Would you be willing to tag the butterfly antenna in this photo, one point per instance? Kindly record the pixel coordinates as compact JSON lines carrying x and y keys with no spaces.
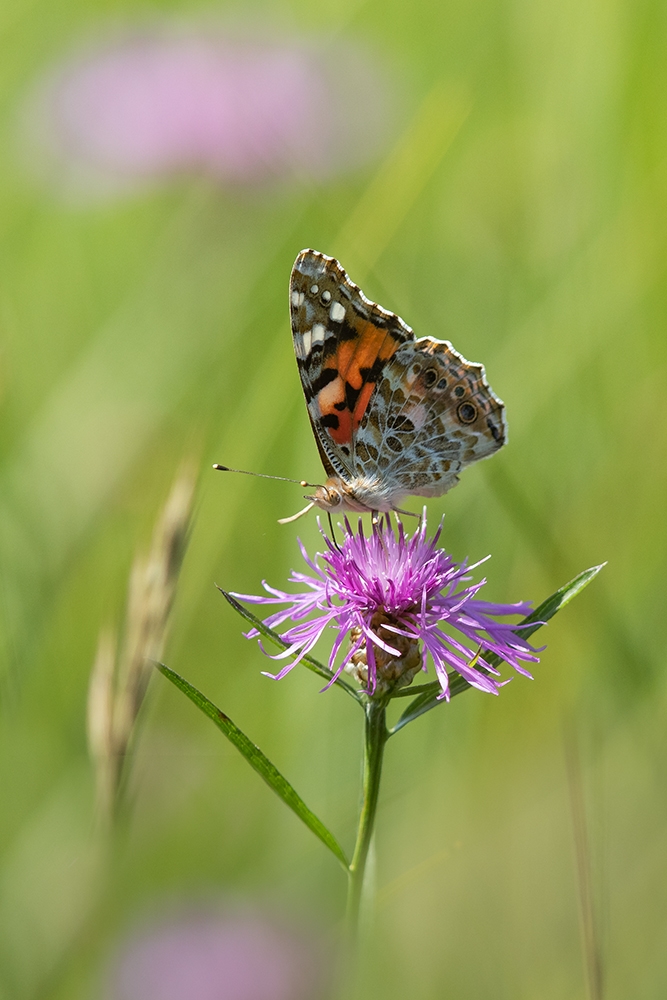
{"x":263,"y":475}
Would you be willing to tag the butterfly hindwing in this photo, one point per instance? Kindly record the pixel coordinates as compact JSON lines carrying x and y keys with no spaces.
{"x":433,"y":414}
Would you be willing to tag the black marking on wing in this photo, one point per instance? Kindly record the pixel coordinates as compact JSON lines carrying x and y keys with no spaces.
{"x":326,"y":376}
{"x":373,"y":373}
{"x":330,"y":420}
{"x":344,"y":331}
{"x":351,"y":397}
{"x":497,"y":432}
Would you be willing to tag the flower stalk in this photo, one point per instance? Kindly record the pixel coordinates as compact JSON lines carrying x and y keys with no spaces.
{"x":376,"y":735}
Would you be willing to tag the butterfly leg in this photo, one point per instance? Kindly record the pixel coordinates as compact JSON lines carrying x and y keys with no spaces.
{"x":406,"y":513}
{"x":333,"y":530}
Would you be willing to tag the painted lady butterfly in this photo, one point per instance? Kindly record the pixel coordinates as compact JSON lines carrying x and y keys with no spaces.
{"x":392,"y":415}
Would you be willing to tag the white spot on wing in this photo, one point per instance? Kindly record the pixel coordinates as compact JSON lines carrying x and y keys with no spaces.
{"x":318,"y":333}
{"x":297,"y":299}
{"x":337,"y":312}
{"x":306,"y":342}
{"x":298,"y":348}
{"x":330,"y":395}
{"x":417,"y":414}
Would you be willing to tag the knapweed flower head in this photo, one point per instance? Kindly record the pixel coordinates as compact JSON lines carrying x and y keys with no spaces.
{"x":397,"y":600}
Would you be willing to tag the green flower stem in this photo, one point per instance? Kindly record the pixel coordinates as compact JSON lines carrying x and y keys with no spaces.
{"x":376,"y":735}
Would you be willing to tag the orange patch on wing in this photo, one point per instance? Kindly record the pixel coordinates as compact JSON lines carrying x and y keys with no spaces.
{"x":371,"y":343}
{"x":343,"y":433}
{"x":362,"y":403}
{"x":327,"y":398}
{"x":353,"y":355}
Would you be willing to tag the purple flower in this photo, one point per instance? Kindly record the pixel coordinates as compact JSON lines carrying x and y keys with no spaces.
{"x":398,"y":599}
{"x":242,"y":107}
{"x":201,"y":954}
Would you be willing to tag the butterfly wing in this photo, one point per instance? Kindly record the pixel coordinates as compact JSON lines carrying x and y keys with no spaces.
{"x":433,"y":414}
{"x":403,"y":414}
{"x":342,"y":343}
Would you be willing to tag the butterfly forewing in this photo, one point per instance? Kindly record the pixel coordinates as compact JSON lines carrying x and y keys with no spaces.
{"x":342,"y":343}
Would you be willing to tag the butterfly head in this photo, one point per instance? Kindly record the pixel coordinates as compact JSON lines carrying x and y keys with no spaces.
{"x":360,"y":495}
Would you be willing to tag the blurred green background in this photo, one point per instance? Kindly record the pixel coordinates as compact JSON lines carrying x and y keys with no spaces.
{"x":519,"y":209}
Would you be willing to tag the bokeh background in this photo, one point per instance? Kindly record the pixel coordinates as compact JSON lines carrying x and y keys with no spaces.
{"x":496,"y":173}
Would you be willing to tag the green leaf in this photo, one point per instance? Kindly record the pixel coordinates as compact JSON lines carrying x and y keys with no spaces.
{"x":259,"y":761}
{"x":428,"y":696}
{"x":308,"y":661}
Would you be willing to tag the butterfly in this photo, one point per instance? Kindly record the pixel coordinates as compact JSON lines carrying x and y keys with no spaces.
{"x":393,"y":416}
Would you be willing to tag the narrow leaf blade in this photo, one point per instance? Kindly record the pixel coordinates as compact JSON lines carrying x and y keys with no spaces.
{"x":428,"y":697}
{"x":273,"y":637}
{"x":553,"y":604}
{"x":259,"y":761}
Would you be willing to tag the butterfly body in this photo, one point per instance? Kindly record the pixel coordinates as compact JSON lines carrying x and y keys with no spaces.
{"x":393,"y":416}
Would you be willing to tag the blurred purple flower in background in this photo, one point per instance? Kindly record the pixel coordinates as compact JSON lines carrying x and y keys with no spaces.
{"x":239,"y":108}
{"x":205,"y":955}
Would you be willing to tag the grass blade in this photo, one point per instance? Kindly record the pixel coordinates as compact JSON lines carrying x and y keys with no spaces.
{"x":259,"y":761}
{"x":428,"y":697}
